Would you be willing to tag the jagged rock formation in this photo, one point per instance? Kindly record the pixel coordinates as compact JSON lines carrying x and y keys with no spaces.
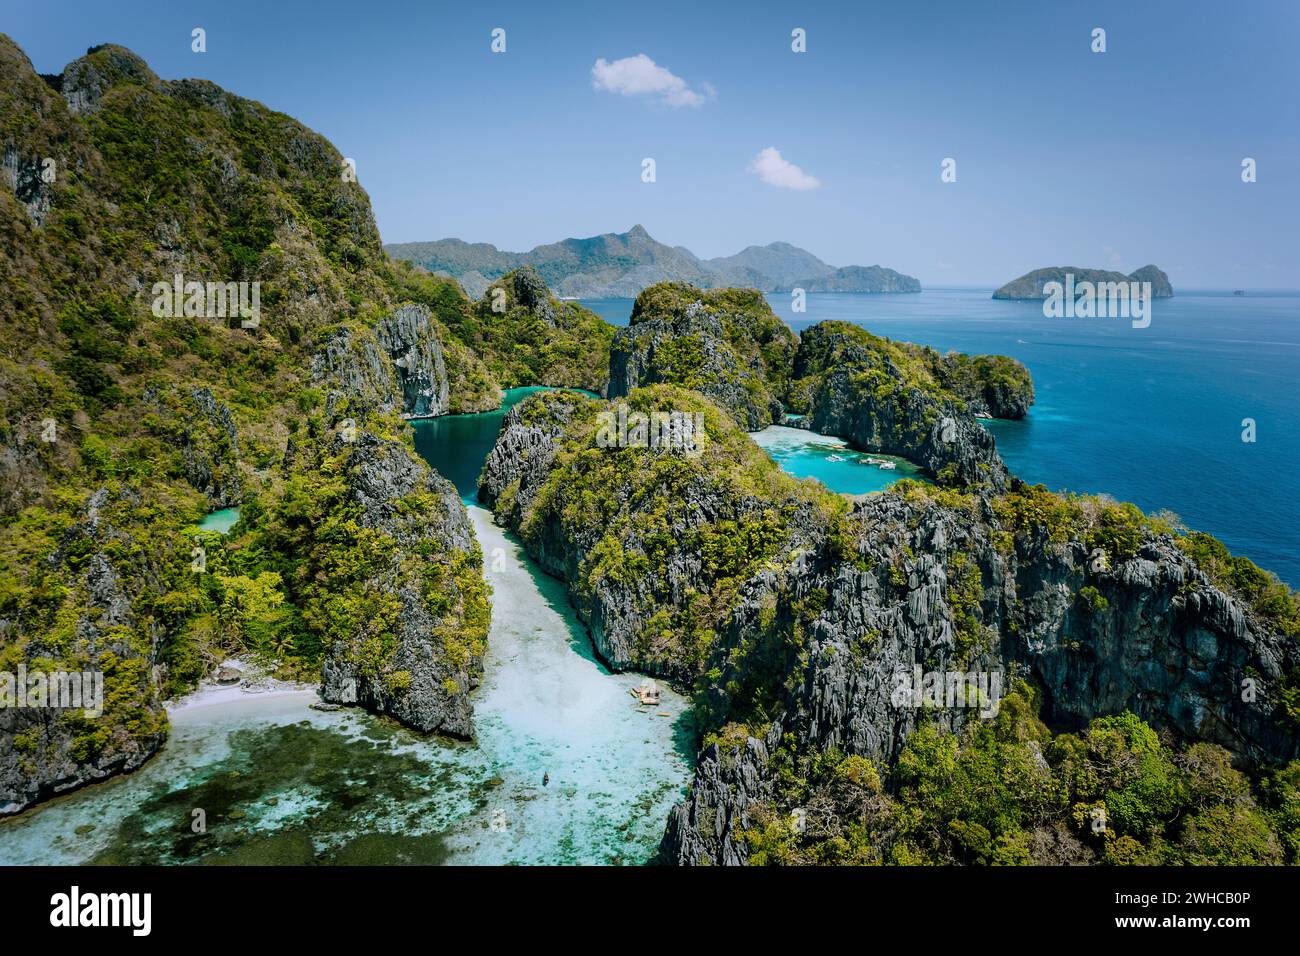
{"x":726,"y":344}
{"x":879,"y":395}
{"x":26,"y":176}
{"x":178,"y":411}
{"x":203,"y":432}
{"x":397,"y":366}
{"x":1030,"y":285}
{"x":408,"y":671}
{"x":525,"y":336}
{"x":47,"y":751}
{"x":992,"y":386}
{"x":1099,"y":608}
{"x":1153,"y":636}
{"x":698,"y":520}
{"x":883,"y":396}
{"x":413,"y":346}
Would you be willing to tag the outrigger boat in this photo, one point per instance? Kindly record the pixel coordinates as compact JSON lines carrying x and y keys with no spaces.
{"x":647,"y":693}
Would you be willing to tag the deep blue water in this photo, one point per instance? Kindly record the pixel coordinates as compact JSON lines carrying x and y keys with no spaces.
{"x":457,"y":445}
{"x":1153,"y":416}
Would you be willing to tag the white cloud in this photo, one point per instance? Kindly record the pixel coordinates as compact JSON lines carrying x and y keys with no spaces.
{"x":776,"y":171}
{"x":641,"y":76}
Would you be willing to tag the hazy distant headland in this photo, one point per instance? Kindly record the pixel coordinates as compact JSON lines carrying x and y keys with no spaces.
{"x":1031,"y":284}
{"x":620,"y":265}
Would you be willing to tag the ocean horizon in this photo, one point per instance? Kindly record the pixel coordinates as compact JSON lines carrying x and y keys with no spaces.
{"x":1153,"y":416}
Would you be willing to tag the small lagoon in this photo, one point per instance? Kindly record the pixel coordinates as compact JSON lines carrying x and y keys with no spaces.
{"x":831,"y":461}
{"x":567,"y":769}
{"x":220,"y":521}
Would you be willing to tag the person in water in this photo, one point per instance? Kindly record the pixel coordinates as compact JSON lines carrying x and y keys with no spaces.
{"x":546,"y":778}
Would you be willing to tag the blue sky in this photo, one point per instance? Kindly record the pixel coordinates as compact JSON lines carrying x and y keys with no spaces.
{"x":1063,"y":156}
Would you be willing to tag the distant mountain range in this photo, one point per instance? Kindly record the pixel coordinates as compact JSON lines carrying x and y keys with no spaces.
{"x":620,"y":265}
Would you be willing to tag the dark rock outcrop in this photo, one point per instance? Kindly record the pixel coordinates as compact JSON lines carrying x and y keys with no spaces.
{"x":84,"y":81}
{"x":397,"y":366}
{"x":412,"y":343}
{"x":653,"y":352}
{"x":930,"y":586}
{"x":531,"y":293}
{"x":210,"y":448}
{"x":26,"y":176}
{"x":46,"y":751}
{"x":809,"y":643}
{"x":417,"y":681}
{"x":882,"y":397}
{"x":727,"y":345}
{"x":521,"y":481}
{"x":992,"y":386}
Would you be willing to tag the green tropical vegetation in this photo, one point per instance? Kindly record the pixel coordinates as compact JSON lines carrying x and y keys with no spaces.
{"x":1008,"y":792}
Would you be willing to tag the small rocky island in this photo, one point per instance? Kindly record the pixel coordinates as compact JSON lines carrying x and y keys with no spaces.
{"x":1030,"y":285}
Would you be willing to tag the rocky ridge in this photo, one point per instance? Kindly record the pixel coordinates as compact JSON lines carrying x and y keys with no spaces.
{"x":406,"y":667}
{"x":1145,"y":632}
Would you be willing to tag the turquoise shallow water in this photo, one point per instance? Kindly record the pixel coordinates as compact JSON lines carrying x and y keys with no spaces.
{"x":1152,"y":415}
{"x":806,"y":454}
{"x":1148,"y":415}
{"x":282,"y":783}
{"x":220,"y":521}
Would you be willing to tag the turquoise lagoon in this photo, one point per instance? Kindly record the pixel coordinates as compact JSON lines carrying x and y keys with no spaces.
{"x":1153,"y":416}
{"x":567,"y":767}
{"x":220,"y":521}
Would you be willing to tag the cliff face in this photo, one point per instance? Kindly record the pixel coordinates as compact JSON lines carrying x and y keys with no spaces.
{"x":992,"y":386}
{"x":886,"y":397}
{"x":651,"y":541}
{"x":413,"y":346}
{"x":396,"y":366}
{"x":881,"y":396}
{"x":419,"y":661}
{"x":46,"y":751}
{"x":1030,"y":285}
{"x":120,"y":402}
{"x":726,"y":344}
{"x":795,"y":632}
{"x":1144,"y":632}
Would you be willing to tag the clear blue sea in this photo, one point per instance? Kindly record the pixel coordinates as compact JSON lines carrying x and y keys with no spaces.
{"x":1152,"y":415}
